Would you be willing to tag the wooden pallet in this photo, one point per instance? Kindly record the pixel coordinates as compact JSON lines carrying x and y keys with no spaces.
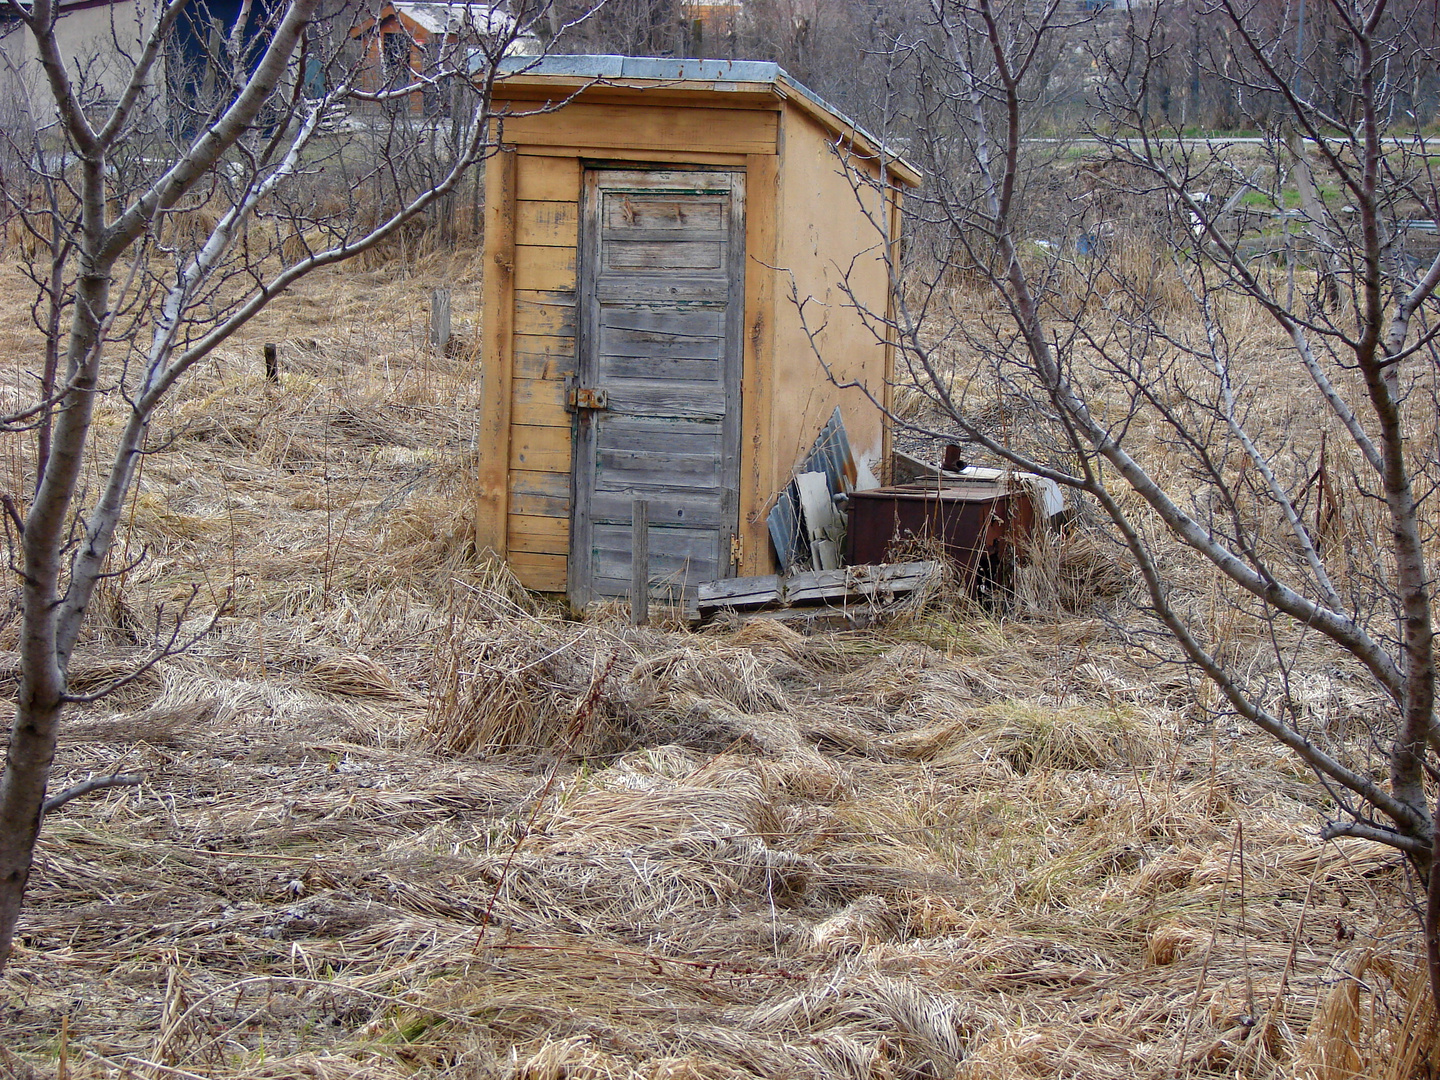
{"x":849,"y":585}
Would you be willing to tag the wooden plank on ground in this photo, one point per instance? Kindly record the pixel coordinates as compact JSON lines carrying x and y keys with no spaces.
{"x":850,"y":585}
{"x":857,"y":582}
{"x":742,"y":592}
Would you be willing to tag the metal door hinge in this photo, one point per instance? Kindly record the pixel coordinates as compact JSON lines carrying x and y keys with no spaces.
{"x":737,"y":550}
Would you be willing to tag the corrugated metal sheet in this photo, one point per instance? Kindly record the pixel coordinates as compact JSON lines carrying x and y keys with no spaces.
{"x":830,"y":455}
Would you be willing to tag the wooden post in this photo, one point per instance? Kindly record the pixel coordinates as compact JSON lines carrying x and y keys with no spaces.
{"x":272,"y":362}
{"x":440,"y":318}
{"x":496,"y":357}
{"x":639,"y":562}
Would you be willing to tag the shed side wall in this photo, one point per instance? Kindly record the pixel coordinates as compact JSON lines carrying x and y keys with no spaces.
{"x":825,"y":240}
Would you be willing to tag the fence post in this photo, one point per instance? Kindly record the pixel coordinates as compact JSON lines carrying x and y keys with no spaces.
{"x":440,"y":318}
{"x":639,"y":562}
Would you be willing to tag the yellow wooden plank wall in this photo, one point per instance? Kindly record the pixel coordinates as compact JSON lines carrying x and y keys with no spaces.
{"x":817,"y":248}
{"x":547,"y":193}
{"x":640,"y":127}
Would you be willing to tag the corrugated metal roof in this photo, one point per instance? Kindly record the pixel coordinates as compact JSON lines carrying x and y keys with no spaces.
{"x":661,"y":69}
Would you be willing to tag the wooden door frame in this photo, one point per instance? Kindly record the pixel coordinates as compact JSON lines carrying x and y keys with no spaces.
{"x":579,"y":578}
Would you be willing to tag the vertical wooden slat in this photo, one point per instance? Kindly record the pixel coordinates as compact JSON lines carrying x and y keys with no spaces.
{"x":736,"y":326}
{"x":497,"y":356}
{"x":586,"y":330}
{"x":640,"y":562}
{"x":757,"y":441}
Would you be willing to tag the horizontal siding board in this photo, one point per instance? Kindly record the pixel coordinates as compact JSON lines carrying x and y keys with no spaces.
{"x":544,"y":269}
{"x":658,"y":344}
{"x":539,"y":494}
{"x":541,"y":572}
{"x":547,"y":179}
{"x":643,"y":183}
{"x":659,"y":255}
{"x":547,"y":224}
{"x":548,"y":314}
{"x":544,"y":357}
{"x":670,"y":368}
{"x":544,"y":397}
{"x":668,"y":506}
{"x":530,"y":413}
{"x":670,"y":287}
{"x":539,"y":535}
{"x":626,"y":212}
{"x":661,"y":321}
{"x":657,"y":470}
{"x":658,"y":436}
{"x":619,"y":127}
{"x":651,"y":397}
{"x":540,"y":449}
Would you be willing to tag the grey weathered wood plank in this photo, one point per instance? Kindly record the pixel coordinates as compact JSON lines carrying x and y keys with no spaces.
{"x":661,"y":345}
{"x":677,"y":368}
{"x":857,"y":582}
{"x":687,"y":321}
{"x":628,"y":210}
{"x":852,"y":584}
{"x":699,"y":510}
{"x":651,"y":397}
{"x":664,"y":255}
{"x":640,"y":562}
{"x":665,"y":288}
{"x":640,"y":467}
{"x":660,"y":435}
{"x":739,"y":592}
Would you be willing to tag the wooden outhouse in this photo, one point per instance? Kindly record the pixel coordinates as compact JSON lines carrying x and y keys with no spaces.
{"x":649,"y":226}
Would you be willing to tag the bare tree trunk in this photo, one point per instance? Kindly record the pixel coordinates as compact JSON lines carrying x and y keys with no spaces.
{"x":1099,"y":359}
{"x":254,"y":143}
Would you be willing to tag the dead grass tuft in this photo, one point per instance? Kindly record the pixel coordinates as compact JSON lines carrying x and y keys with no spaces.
{"x":403,"y":819}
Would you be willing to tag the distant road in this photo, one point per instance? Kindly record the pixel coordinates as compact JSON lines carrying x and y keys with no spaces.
{"x":1430,"y":144}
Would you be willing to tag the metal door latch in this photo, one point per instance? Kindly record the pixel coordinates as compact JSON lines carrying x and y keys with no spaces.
{"x":585,"y":397}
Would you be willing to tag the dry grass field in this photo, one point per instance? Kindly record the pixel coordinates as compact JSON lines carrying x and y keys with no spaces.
{"x":403,"y":820}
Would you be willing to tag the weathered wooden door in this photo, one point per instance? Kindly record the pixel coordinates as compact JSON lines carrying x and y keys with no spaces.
{"x":662,"y":266}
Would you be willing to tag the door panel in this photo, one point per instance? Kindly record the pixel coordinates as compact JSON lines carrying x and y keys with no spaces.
{"x":661,"y":298}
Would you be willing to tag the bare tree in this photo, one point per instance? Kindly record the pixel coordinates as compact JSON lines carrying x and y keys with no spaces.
{"x":165,"y":210}
{"x":1111,"y":326}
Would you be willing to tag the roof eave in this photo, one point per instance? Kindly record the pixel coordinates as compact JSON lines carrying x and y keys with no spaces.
{"x":573,"y":75}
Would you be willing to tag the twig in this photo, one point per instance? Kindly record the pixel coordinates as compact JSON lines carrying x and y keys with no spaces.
{"x":95,"y":783}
